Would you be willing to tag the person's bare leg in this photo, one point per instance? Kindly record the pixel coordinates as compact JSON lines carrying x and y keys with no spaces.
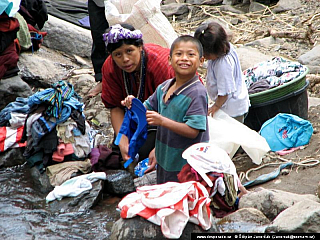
{"x":95,"y":91}
{"x":243,"y":190}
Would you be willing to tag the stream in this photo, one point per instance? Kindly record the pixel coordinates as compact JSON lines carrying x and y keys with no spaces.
{"x":25,"y":215}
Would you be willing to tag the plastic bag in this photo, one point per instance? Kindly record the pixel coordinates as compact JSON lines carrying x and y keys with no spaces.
{"x":285,"y":131}
{"x":229,"y":134}
{"x":207,"y":157}
{"x":141,"y":167}
{"x":144,"y":15}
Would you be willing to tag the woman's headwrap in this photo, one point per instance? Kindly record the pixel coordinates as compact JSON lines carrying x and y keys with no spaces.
{"x":117,"y":33}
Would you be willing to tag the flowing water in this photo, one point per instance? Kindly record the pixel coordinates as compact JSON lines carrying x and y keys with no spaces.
{"x":24,"y":213}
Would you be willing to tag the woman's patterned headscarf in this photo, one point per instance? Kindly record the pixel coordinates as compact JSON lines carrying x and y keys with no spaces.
{"x":117,"y":33}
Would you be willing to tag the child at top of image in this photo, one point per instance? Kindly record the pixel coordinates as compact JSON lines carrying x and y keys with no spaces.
{"x":179,"y":109}
{"x":224,"y":80}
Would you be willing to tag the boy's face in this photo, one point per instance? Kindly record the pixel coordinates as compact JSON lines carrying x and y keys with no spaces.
{"x":185,"y":59}
{"x":127,"y":57}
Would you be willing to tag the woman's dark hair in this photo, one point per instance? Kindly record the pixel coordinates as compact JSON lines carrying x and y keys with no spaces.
{"x":213,"y":38}
{"x":113,"y":46}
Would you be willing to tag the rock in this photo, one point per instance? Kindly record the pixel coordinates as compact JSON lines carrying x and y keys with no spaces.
{"x":11,"y":88}
{"x":81,"y":203}
{"x":147,"y":179}
{"x":176,"y":9}
{"x":12,"y":157}
{"x":266,"y":42}
{"x":119,"y":182}
{"x":256,"y":7}
{"x":245,"y":220}
{"x":228,"y":8}
{"x":44,"y":67}
{"x":303,"y":217}
{"x":67,"y":37}
{"x":250,"y":56}
{"x":272,"y":202}
{"x":204,"y":2}
{"x":139,"y":228}
{"x":286,"y":5}
{"x":311,"y":59}
{"x":41,"y":180}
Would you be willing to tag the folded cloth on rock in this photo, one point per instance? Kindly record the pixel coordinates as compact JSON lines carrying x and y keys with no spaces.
{"x":75,"y":186}
{"x":61,"y":172}
{"x":170,"y":205}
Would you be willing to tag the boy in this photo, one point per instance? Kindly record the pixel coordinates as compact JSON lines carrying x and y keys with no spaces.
{"x":179,"y":108}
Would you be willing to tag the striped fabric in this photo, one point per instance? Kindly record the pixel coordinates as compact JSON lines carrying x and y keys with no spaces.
{"x":10,"y":138}
{"x":170,"y":205}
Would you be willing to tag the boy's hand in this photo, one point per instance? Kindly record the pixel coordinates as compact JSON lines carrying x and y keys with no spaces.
{"x":154,"y":118}
{"x":152,"y":161}
{"x":127,"y":102}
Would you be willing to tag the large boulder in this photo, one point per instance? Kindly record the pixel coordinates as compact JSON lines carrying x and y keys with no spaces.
{"x":139,"y":228}
{"x":272,"y":201}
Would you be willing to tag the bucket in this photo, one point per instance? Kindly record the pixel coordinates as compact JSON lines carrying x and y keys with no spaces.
{"x":291,"y":97}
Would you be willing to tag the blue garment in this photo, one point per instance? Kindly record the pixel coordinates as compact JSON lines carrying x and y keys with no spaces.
{"x":61,"y":99}
{"x":285,"y":131}
{"x":19,"y":106}
{"x":134,"y":126}
{"x":40,"y":128}
{"x":5,"y":6}
{"x":85,"y":21}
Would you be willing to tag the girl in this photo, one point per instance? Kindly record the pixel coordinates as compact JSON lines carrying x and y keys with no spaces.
{"x":224,"y":81}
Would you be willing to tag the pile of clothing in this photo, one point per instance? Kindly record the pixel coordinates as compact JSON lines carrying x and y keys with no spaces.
{"x":20,"y":25}
{"x":52,"y":127}
{"x":270,"y":74}
{"x":207,"y":183}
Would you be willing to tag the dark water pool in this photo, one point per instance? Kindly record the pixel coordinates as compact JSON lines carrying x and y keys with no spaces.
{"x":25,"y":215}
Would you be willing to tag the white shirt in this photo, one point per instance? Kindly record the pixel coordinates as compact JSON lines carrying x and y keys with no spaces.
{"x":224,"y":77}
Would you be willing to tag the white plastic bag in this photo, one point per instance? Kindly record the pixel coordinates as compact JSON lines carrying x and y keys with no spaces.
{"x":207,"y":157}
{"x":144,"y":15}
{"x":229,"y":134}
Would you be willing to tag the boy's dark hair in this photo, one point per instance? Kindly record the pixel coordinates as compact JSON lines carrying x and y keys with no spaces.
{"x":187,"y":38}
{"x":113,"y":46}
{"x":213,"y":38}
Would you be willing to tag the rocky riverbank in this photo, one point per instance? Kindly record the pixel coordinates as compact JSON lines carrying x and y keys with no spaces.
{"x":266,"y":208}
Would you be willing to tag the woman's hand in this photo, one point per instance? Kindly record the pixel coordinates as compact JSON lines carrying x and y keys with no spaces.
{"x":152,"y":161}
{"x":124,"y":147}
{"x":127,"y":102}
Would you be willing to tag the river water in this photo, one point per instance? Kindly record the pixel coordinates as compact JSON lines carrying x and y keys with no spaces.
{"x":24,"y":213}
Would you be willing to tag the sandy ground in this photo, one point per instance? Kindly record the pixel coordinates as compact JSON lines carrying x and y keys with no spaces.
{"x":298,"y":178}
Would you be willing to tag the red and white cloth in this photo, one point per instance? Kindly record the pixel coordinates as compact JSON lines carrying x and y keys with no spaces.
{"x":170,"y":205}
{"x":10,"y":138}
